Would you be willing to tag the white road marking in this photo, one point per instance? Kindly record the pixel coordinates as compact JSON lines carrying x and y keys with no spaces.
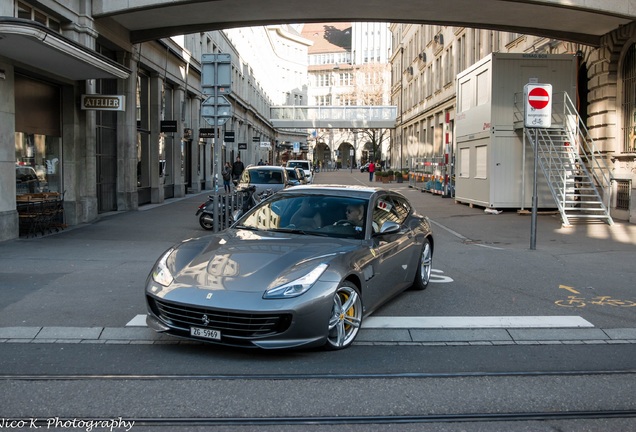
{"x":476,"y":322}
{"x":138,"y":321}
{"x":385,"y":322}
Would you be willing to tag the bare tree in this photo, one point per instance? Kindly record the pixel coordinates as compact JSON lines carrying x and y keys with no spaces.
{"x":371,"y":88}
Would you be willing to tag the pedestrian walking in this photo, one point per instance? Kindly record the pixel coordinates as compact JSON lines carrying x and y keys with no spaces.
{"x":371,"y":171}
{"x":227,"y":177}
{"x":237,"y":168}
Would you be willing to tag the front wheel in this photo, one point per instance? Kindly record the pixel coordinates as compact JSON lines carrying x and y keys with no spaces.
{"x":425,"y":264}
{"x":206,"y":220}
{"x":346,"y":317}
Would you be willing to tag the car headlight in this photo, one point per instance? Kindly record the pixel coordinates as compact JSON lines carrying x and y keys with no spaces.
{"x":162,"y":274}
{"x":296,"y":287}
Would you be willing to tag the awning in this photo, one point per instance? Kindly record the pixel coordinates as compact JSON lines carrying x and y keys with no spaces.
{"x":33,"y":44}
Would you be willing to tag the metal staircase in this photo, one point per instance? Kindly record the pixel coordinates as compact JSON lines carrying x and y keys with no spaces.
{"x":576,"y":172}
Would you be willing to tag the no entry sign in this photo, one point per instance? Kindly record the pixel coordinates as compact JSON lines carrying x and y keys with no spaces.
{"x":538,"y":98}
{"x":538,"y":106}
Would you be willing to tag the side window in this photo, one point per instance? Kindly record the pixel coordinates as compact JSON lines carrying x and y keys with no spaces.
{"x":382,"y":211}
{"x":401,"y":208}
{"x":390,"y":208}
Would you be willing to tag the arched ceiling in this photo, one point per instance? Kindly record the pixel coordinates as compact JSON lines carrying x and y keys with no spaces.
{"x":582,"y":21}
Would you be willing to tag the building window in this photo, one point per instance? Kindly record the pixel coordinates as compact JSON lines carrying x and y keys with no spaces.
{"x":143,"y":130}
{"x":464,"y":162}
{"x":25,"y":11}
{"x":481,"y":162}
{"x":629,"y":101}
{"x":623,"y":189}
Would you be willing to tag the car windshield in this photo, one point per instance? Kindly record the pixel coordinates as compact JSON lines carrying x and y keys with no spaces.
{"x":292,"y":174}
{"x":266,"y":176}
{"x":309,"y":214}
{"x":303,"y":165}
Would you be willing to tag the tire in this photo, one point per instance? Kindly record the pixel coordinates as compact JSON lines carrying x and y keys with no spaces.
{"x":346,"y":317}
{"x":206,"y":221}
{"x":424,"y":266}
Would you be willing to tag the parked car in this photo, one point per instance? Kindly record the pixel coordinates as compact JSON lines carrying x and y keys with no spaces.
{"x":26,"y":180}
{"x":302,"y":268}
{"x":296,"y":175}
{"x":305,"y":166}
{"x":264,"y":177}
{"x":365,"y":167}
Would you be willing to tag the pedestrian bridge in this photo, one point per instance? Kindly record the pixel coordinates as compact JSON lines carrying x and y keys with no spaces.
{"x":333,"y":117}
{"x":581,"y":21}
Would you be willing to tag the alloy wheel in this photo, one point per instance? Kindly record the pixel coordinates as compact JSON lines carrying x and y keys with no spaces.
{"x":346,"y":317}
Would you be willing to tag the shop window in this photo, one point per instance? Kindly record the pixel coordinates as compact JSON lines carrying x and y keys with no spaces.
{"x":38,"y":142}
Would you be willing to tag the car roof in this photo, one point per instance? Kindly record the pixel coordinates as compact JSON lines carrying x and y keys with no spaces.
{"x":265,"y":167}
{"x":339,"y":190}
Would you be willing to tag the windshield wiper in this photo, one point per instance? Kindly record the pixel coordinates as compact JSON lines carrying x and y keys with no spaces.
{"x":245,"y":227}
{"x":299,"y":231}
{"x":290,"y":230}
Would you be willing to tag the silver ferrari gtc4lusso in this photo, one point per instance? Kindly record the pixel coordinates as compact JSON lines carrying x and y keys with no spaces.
{"x":301,"y":269}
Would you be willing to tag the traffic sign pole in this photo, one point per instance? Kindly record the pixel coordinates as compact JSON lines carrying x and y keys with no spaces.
{"x":216,"y":80}
{"x":538,"y":114}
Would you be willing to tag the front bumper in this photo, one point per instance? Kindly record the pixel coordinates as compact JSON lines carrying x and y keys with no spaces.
{"x":270,"y":324}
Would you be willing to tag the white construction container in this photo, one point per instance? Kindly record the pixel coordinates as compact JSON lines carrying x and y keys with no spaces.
{"x":493,"y":167}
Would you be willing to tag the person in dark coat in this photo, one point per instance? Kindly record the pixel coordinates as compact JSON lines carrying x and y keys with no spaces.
{"x":227,"y":176}
{"x":237,"y":168}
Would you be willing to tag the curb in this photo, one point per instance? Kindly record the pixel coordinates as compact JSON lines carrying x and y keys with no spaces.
{"x":413,"y":337}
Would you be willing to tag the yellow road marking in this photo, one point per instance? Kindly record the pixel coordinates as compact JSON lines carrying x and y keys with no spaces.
{"x":569,"y":288}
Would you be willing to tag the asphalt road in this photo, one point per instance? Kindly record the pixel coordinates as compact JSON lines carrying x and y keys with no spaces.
{"x":64,"y":293}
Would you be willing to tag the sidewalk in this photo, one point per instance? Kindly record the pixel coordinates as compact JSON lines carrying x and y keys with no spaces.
{"x":509,"y":227}
{"x":84,"y":284}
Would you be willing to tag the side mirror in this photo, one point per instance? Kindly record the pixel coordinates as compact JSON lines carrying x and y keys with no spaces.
{"x":389,"y":227}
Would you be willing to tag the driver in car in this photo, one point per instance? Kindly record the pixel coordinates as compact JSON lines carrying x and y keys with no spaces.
{"x":355,"y":214}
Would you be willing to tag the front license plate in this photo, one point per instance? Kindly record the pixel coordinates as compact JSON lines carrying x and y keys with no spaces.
{"x":205,"y":333}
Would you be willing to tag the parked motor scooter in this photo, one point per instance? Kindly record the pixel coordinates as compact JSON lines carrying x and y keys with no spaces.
{"x":206,"y":213}
{"x":250,"y":199}
{"x":247,"y":197}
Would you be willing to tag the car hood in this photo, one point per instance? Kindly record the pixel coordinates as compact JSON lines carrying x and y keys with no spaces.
{"x":252,"y":261}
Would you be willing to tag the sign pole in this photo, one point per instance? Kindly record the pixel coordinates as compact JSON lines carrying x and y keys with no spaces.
{"x":535,"y":201}
{"x":537,"y":114}
{"x":217,"y":146}
{"x":216,"y":79}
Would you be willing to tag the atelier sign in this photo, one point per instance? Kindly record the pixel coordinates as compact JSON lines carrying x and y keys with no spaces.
{"x":103,"y":102}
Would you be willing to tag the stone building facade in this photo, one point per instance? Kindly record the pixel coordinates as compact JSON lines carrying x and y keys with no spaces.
{"x":426,"y":60}
{"x":109,"y":125}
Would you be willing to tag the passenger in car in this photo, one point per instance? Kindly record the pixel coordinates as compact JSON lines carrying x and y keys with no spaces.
{"x":306,"y":217}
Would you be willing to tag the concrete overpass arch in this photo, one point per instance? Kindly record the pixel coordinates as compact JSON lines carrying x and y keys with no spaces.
{"x":582,"y":21}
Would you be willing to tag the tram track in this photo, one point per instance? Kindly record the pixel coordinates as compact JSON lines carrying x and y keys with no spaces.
{"x":400,"y":399}
{"x":296,"y":376}
{"x":360,"y":420}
